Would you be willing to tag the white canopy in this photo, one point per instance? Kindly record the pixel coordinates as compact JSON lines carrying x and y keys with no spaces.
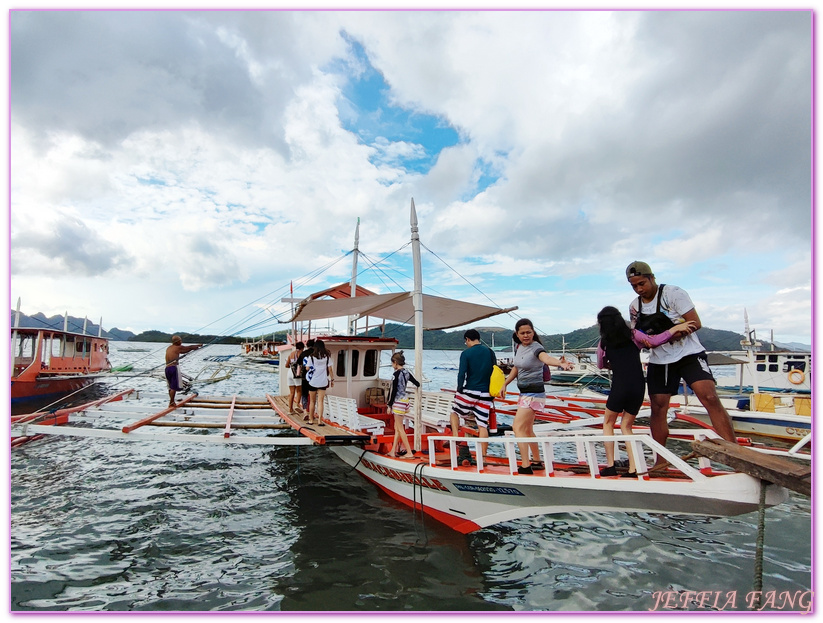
{"x":438,"y":312}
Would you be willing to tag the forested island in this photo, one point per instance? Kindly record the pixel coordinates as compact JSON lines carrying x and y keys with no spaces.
{"x":712,"y":339}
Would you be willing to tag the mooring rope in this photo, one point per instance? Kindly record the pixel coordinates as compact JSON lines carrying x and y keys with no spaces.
{"x":761,"y":538}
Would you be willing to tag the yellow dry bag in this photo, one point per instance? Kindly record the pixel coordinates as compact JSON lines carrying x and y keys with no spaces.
{"x":496,"y":381}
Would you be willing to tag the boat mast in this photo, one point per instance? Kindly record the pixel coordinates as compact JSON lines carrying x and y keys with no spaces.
{"x":14,"y":337}
{"x":353,"y":282}
{"x":750,"y":344}
{"x":353,"y":319}
{"x":417,"y":299}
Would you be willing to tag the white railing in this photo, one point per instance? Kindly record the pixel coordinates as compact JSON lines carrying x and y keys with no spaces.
{"x":586,"y":444}
{"x":343,"y":411}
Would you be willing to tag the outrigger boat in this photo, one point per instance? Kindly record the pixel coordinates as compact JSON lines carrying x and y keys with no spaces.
{"x":49,"y":363}
{"x":357,"y":429}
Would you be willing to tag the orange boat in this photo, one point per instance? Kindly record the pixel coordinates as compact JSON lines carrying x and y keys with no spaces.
{"x":48,"y":363}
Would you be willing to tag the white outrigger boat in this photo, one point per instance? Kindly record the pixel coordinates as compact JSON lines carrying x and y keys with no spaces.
{"x":356,"y":429}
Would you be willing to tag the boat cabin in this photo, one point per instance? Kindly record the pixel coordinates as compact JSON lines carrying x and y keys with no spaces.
{"x":57,"y":352}
{"x":356,"y":363}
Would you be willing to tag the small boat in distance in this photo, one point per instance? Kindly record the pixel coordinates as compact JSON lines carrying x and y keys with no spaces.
{"x":49,"y":363}
{"x":261,"y":351}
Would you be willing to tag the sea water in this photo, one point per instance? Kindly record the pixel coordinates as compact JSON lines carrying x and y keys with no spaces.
{"x":105,"y":525}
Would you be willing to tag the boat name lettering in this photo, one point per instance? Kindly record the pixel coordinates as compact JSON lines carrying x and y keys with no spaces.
{"x":721,"y":600}
{"x":487,"y":489}
{"x":394,"y":474}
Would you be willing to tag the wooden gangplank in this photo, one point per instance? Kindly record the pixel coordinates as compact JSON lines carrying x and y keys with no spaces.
{"x":776,"y":469}
{"x":326,"y":435}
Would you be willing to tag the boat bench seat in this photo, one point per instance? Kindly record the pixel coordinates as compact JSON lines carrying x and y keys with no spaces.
{"x":343,"y":411}
{"x":436,"y":410}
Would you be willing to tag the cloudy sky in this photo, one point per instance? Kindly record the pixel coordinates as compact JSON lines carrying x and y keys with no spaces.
{"x":175,"y":170}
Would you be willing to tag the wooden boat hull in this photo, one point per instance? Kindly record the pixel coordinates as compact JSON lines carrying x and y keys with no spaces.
{"x":24,"y":390}
{"x":466,"y":500}
{"x":776,"y":425}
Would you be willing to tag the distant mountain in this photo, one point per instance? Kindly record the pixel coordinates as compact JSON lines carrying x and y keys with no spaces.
{"x":75,"y":325}
{"x":712,"y":339}
{"x":794,"y":346}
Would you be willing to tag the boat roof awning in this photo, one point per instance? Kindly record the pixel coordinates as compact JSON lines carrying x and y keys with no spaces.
{"x":719,"y":359}
{"x":438,"y":312}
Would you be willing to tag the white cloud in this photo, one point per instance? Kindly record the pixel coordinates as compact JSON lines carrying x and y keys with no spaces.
{"x":205,"y":150}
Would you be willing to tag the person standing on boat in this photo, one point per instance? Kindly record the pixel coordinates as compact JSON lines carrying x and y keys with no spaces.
{"x":304,"y":383}
{"x":619,"y":350}
{"x":472,"y":402}
{"x":173,"y":376}
{"x":294,"y":377}
{"x":319,"y":377}
{"x":656,"y":309}
{"x":529,"y":357}
{"x":399,"y":402}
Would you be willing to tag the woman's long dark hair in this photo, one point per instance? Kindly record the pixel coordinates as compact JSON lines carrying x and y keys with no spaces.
{"x":523,"y":322}
{"x":614,"y":331}
{"x":320,"y":351}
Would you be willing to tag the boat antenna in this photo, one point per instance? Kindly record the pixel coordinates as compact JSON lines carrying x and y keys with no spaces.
{"x":417,"y":300}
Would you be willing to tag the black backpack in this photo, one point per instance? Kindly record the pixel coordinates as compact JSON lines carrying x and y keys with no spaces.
{"x":656,"y":323}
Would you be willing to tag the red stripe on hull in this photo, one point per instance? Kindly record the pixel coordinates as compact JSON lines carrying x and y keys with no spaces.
{"x":455,"y":523}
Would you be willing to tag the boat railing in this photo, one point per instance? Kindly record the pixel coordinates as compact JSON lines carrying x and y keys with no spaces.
{"x":586,"y":444}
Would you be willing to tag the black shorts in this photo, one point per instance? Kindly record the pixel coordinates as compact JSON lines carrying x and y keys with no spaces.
{"x":665,"y":378}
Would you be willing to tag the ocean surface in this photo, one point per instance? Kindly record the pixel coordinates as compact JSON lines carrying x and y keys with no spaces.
{"x":104,"y":525}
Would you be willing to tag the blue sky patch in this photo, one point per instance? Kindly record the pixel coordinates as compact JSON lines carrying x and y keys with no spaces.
{"x":402,"y":137}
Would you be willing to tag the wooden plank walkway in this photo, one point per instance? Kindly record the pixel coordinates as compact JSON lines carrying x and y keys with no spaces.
{"x":328,"y":434}
{"x":776,"y":469}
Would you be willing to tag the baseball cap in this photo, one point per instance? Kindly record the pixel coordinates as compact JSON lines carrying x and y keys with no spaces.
{"x":637,"y":268}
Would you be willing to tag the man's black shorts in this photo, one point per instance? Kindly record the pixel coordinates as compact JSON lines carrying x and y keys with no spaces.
{"x":665,"y":378}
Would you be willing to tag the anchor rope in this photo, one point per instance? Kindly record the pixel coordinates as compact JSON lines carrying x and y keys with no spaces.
{"x":761,"y":538}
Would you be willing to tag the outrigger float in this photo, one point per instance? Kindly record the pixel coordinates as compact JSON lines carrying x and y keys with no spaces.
{"x":464,"y":495}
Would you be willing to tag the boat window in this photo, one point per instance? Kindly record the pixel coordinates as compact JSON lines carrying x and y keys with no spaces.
{"x":355,"y":361}
{"x":370,"y":363}
{"x":772,"y":358}
{"x":761,"y":367}
{"x":773,"y":367}
{"x":56,"y":347}
{"x":341,"y":363}
{"x":794,"y":365}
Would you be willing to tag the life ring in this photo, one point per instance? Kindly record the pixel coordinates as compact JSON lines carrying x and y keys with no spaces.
{"x":796,"y":377}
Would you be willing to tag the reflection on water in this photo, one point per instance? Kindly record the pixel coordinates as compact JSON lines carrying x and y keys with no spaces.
{"x":108,"y":525}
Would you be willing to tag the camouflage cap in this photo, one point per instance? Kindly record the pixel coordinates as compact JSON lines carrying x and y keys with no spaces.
{"x":638,"y":268}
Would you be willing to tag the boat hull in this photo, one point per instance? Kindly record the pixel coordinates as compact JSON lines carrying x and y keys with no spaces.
{"x":466,"y":500}
{"x":23,"y":391}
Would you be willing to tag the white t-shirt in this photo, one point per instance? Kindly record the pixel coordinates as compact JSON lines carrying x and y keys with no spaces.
{"x":317,"y":371}
{"x":675,"y":303}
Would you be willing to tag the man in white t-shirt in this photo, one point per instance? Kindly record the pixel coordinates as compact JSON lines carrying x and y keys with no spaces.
{"x":656,"y":309}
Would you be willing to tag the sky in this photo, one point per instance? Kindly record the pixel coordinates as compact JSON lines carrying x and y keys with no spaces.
{"x":178,"y":170}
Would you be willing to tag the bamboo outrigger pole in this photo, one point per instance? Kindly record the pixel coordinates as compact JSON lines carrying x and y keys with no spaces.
{"x":417,"y":299}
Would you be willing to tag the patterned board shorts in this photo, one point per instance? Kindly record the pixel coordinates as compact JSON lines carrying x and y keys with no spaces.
{"x":473,"y":406}
{"x":400,"y":406}
{"x":535,"y":402}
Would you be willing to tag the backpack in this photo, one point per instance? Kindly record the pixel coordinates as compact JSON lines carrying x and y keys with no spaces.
{"x":296,"y":368}
{"x":656,"y":323}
